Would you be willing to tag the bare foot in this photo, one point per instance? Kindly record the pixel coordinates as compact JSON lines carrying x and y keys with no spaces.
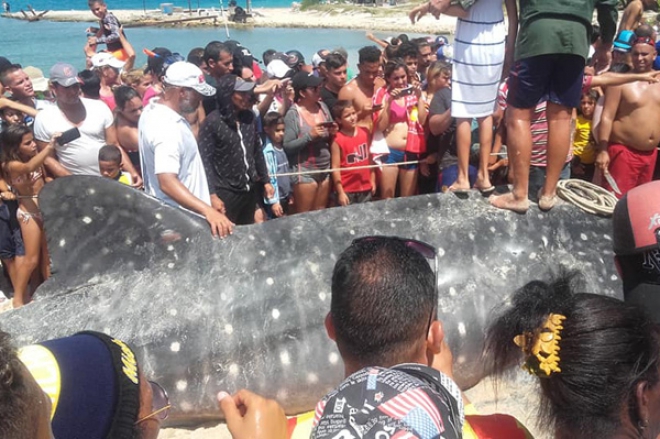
{"x":547,"y":202}
{"x":509,"y":202}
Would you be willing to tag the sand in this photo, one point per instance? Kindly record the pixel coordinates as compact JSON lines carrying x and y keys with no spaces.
{"x":390,"y":19}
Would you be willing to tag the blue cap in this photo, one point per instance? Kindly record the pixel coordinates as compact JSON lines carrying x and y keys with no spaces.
{"x":624,"y":41}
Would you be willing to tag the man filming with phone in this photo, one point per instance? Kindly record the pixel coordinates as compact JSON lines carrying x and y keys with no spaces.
{"x":86,"y":126}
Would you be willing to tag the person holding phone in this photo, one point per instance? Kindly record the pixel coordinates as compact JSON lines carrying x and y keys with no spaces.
{"x":93,"y":119}
{"x":400,"y":125}
{"x":307,"y":127}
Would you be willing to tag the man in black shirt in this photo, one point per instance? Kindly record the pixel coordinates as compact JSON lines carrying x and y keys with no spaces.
{"x":233,"y":156}
{"x":335,"y":78}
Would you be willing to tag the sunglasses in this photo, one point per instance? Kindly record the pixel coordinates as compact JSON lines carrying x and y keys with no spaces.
{"x":424,"y":249}
{"x":160,"y":403}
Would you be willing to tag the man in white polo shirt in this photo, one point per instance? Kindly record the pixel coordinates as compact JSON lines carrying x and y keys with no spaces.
{"x":171,"y":165}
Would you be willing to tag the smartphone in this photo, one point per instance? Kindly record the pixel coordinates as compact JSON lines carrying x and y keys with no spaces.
{"x":327,"y":124}
{"x":407,"y":91}
{"x":68,"y":136}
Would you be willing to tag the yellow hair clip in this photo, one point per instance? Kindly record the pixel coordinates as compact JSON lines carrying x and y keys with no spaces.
{"x":542,"y":347}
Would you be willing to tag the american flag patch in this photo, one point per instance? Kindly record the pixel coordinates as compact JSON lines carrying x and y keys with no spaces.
{"x":416,"y":409}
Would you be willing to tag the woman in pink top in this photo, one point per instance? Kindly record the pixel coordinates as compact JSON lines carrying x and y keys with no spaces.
{"x":400,"y":123}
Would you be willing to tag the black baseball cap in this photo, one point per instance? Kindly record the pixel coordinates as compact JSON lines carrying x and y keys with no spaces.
{"x":299,"y":58}
{"x":302,"y":80}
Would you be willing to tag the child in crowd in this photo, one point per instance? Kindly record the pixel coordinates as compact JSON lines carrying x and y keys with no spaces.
{"x":110,"y":165}
{"x":109,"y":32}
{"x":23,"y":168}
{"x":351,"y":149}
{"x":584,"y":152}
{"x":277,"y":163}
{"x":9,"y":116}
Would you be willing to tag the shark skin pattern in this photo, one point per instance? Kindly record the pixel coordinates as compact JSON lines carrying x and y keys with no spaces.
{"x":205,"y":315}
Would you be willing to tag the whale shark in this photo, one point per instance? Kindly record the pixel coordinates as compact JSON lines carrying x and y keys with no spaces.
{"x":247,"y":311}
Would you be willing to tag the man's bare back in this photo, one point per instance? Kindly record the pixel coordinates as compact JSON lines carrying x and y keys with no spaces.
{"x":637,"y":120}
{"x":361,"y":95}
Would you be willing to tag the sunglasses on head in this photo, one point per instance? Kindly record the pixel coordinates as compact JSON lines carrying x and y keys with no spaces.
{"x":160,"y":403}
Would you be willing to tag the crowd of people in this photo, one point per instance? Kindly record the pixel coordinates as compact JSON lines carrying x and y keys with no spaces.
{"x":240,"y":140}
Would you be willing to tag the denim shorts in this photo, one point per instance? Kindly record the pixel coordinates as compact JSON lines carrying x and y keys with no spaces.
{"x":301,"y":177}
{"x":11,"y":240}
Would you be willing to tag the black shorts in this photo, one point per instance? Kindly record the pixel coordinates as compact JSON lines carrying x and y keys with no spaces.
{"x":554,"y":78}
{"x":11,"y":240}
{"x":239,"y":205}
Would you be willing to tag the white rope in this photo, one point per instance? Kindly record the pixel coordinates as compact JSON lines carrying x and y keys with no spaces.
{"x":587,"y":196}
{"x":327,"y":171}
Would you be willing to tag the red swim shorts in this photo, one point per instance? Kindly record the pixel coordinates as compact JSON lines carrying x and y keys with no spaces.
{"x":629,"y":167}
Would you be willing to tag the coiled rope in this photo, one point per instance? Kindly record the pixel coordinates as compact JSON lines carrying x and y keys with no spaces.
{"x":587,"y":196}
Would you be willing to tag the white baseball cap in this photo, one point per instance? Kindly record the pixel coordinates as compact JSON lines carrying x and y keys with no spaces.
{"x":277,"y":69}
{"x":185,"y":74}
{"x":103,"y":59}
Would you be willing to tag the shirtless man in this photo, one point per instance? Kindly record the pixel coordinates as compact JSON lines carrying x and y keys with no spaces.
{"x":361,"y":89}
{"x":629,"y":129}
{"x":129,"y":109}
{"x":634,"y":13}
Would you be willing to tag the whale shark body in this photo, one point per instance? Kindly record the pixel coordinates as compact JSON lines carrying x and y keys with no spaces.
{"x":206,"y":314}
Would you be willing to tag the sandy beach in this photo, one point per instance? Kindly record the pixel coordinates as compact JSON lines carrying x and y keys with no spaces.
{"x":389,"y":19}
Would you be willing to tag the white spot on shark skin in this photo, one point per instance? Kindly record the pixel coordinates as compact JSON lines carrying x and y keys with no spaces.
{"x":251,"y":237}
{"x":229,"y":329}
{"x":223,"y":296}
{"x":173,"y":312}
{"x":233,"y":369}
{"x":62,"y":242}
{"x":344,"y":218}
{"x":170,"y":248}
{"x":441,"y":252}
{"x":282,"y":395}
{"x":181,"y":385}
{"x":314,"y":268}
{"x":170,"y":265}
{"x":270,"y":281}
{"x":91,"y":191}
{"x":392,"y":225}
{"x":583,"y":237}
{"x":461,"y":329}
{"x":540,"y":216}
{"x":128,"y":241}
{"x":105,"y":251}
{"x":333,"y":358}
{"x":607,"y":237}
{"x":532,"y":255}
{"x":284,"y":358}
{"x":262,"y":253}
{"x":614,"y":277}
{"x":186,"y":406}
{"x":492,"y":229}
{"x":87,"y":220}
{"x":471,"y":236}
{"x":545,"y":241}
{"x":322,"y":295}
{"x":312,"y":378}
{"x":159,"y":216}
{"x":452,"y":291}
{"x":461,"y":359}
{"x":352,"y":232}
{"x":175,"y":347}
{"x":276,"y":313}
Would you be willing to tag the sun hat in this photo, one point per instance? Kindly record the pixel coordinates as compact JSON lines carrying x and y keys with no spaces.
{"x":185,"y":74}
{"x":39,"y":82}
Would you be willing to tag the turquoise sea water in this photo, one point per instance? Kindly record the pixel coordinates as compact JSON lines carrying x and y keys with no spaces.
{"x":44,"y":43}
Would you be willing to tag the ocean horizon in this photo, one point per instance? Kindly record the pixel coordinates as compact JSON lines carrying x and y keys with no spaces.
{"x":78,"y":5}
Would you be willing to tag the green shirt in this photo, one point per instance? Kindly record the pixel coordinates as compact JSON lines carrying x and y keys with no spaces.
{"x":562,"y":26}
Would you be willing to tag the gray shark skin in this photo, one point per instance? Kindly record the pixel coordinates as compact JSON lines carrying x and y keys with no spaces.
{"x":205,"y":314}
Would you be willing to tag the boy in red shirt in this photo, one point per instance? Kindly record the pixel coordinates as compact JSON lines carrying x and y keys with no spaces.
{"x":350,"y":149}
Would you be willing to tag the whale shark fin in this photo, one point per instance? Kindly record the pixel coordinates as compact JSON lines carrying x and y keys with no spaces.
{"x":96,"y":225}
